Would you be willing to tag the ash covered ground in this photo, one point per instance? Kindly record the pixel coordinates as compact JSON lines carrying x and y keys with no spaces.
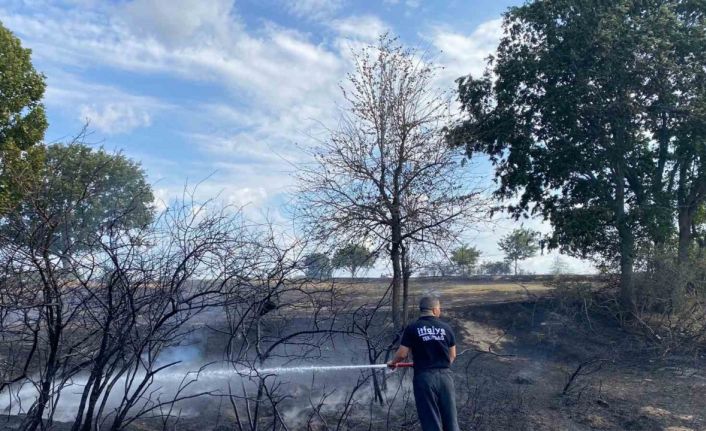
{"x":526,"y":364}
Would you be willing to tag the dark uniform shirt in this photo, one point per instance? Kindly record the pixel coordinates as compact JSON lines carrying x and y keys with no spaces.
{"x":429,"y":339}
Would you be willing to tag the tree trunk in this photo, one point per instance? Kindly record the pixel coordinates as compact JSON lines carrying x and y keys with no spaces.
{"x":377,"y":390}
{"x":97,"y":373}
{"x":627,"y":288}
{"x":35,"y":416}
{"x":683,"y":212}
{"x":627,"y":244}
{"x":685,"y":217}
{"x":406,"y":273}
{"x":685,"y":222}
{"x":93,"y":400}
{"x":396,"y":282}
{"x":78,"y":421}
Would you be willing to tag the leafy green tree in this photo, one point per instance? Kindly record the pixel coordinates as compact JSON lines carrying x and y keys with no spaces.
{"x":668,"y":41}
{"x":465,"y":258}
{"x":519,"y":245}
{"x":501,"y":267}
{"x":317,"y":266}
{"x":22,"y":119}
{"x":679,"y":118}
{"x":84,"y":193}
{"x":353,"y":257}
{"x":583,"y":111}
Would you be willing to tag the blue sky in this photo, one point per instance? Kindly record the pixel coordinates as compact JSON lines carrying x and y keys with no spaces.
{"x":226,"y":93}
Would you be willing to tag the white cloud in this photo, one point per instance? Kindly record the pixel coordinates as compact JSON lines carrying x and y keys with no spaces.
{"x":114,"y":117}
{"x":463,"y":54}
{"x":161,"y":198}
{"x":107,"y":109}
{"x":260,"y":134}
{"x":280,"y":80}
{"x":314,"y":9}
{"x":246,"y":197}
{"x":412,"y":4}
{"x":366,"y":27}
{"x":276,"y":65}
{"x":249,"y":186}
{"x":280,"y":84}
{"x":177,"y":21}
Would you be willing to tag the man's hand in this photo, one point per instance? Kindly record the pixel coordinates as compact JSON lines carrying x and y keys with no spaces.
{"x":400,"y":355}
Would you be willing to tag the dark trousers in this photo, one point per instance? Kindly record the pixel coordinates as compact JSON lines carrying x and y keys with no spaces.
{"x":435,"y":397}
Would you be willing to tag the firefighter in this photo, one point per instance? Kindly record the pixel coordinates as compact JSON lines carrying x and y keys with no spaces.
{"x":433,"y":347}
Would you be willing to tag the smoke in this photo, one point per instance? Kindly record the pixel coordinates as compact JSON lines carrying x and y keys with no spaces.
{"x":204,"y":373}
{"x":184,"y":354}
{"x":189,"y":370}
{"x":333,"y":397}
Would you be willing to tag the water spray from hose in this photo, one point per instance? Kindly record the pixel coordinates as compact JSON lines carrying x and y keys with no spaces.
{"x":228,"y":373}
{"x":304,"y":369}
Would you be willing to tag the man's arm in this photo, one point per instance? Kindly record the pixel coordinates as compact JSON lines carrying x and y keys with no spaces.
{"x":452,"y":353}
{"x":400,"y":355}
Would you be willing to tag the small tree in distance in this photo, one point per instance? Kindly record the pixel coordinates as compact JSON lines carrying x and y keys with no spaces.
{"x":559,"y":267}
{"x":317,"y":266}
{"x":353,"y":257}
{"x":519,"y":245}
{"x":501,"y":267}
{"x":465,"y":258}
{"x":439,"y":269}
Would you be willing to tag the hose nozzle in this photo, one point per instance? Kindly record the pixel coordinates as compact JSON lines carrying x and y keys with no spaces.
{"x":402,"y":365}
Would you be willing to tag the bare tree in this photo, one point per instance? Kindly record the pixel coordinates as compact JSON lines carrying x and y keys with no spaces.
{"x":386,"y":174}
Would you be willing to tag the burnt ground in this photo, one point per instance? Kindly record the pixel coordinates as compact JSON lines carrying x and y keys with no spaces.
{"x":519,"y":349}
{"x":532,"y":348}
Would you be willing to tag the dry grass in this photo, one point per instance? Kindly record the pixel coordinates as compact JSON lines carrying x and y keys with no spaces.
{"x":500,"y":287}
{"x":452,"y":292}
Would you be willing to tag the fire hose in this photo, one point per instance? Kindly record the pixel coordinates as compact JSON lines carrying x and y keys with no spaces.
{"x":283,"y":370}
{"x":402,"y":365}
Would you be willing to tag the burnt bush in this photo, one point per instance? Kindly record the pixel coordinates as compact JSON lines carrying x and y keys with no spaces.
{"x":670,"y":306}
